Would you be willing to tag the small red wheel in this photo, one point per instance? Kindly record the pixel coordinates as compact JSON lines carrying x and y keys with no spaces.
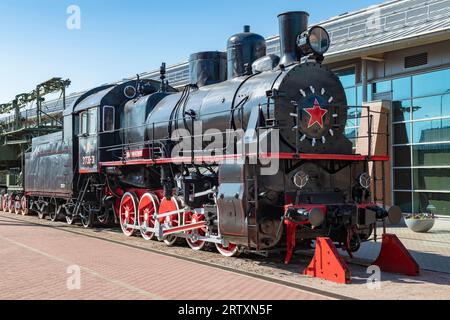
{"x":11,"y":204}
{"x":127,"y":213}
{"x":190,"y":218}
{"x":167,"y":206}
{"x":231,"y":251}
{"x":148,"y":206}
{"x":24,"y":204}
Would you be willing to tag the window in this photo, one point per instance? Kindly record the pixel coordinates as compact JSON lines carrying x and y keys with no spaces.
{"x":402,"y":179}
{"x":441,"y":201}
{"x":431,"y":83}
{"x":354,"y":117}
{"x":401,"y":88}
{"x":353,"y":94}
{"x":431,"y":179}
{"x":402,"y":156}
{"x":359,"y":95}
{"x":92,"y":120}
{"x":431,"y":155}
{"x":421,"y":152}
{"x":351,"y":133}
{"x":108,"y":118}
{"x":430,"y":107}
{"x":347,"y":77}
{"x":381,"y":87}
{"x":84,"y":123}
{"x":431,"y":131}
{"x":403,"y":200}
{"x":88,"y":122}
{"x":401,"y":110}
{"x":402,"y":133}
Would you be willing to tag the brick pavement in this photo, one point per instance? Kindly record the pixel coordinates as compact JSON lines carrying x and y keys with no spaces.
{"x":429,"y":285}
{"x":34,"y":261}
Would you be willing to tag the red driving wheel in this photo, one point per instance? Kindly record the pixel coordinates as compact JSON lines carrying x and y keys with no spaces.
{"x":11,"y":204}
{"x":231,"y":251}
{"x":148,"y":206}
{"x":127,"y":213}
{"x":190,"y":218}
{"x":167,"y":206}
{"x":5,"y":203}
{"x":24,"y":204}
{"x":18,"y":205}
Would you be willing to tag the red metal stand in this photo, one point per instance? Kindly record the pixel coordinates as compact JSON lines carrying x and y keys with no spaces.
{"x":395,"y":258}
{"x":328,"y":264}
{"x":291,"y":238}
{"x":291,"y":230}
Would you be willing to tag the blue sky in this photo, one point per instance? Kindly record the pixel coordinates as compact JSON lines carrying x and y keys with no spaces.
{"x":121,"y":38}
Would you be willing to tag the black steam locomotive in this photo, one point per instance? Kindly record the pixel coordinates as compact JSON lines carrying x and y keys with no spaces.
{"x":253,"y":146}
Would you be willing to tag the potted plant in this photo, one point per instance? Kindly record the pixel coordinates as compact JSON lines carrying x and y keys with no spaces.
{"x":422,"y":222}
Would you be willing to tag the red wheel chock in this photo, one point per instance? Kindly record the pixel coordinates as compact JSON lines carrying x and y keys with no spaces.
{"x":395,"y":258}
{"x":327,"y":264}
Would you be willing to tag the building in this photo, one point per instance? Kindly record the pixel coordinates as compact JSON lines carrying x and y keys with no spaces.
{"x":397,"y":51}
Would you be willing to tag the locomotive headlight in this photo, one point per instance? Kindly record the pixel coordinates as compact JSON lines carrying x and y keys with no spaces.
{"x":316,"y":217}
{"x":316,"y":40}
{"x":365,"y":180}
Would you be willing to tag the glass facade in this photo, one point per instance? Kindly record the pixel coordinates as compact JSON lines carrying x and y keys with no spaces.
{"x":421,"y":135}
{"x":421,"y":140}
{"x":354,"y":98}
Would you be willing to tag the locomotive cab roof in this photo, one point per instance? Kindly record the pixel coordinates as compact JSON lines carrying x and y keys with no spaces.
{"x":107,"y":95}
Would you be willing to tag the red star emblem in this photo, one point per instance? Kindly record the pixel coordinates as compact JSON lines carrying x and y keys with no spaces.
{"x":316,"y":113}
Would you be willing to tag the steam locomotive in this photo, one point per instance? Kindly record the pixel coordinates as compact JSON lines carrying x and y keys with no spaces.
{"x":252,"y":147}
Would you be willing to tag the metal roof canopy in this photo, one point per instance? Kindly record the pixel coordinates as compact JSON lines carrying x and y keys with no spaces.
{"x":19,"y":127}
{"x":387,"y":27}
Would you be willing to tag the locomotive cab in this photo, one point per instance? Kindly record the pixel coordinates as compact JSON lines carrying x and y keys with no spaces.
{"x":88,"y":144}
{"x":98,"y":120}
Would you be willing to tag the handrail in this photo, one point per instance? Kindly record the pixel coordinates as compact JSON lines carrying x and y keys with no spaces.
{"x":150,"y":143}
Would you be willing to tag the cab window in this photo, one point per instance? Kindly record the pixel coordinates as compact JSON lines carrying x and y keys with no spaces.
{"x":108,"y":118}
{"x":88,"y":122}
{"x":92,"y":121}
{"x":84,"y":122}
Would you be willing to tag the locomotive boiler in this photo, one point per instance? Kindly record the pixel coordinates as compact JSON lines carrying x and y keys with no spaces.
{"x":253,"y":149}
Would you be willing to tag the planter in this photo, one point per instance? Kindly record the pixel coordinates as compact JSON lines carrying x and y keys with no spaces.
{"x":420,"y":225}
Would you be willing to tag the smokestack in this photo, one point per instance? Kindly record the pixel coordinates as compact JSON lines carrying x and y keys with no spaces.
{"x":292,"y":24}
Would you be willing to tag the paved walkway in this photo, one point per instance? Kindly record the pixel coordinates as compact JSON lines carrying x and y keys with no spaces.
{"x":431,"y":250}
{"x":35,"y":255}
{"x":34,"y":262}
